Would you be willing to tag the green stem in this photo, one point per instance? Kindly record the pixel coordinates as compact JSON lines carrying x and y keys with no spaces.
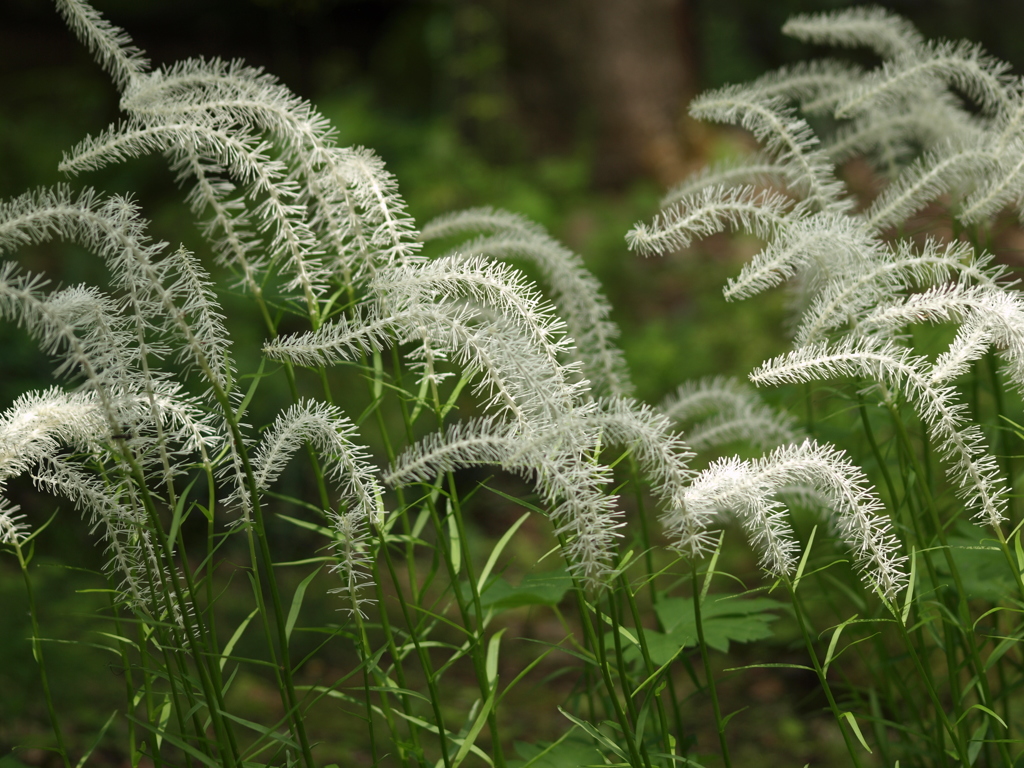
{"x":809,"y":643}
{"x":475,"y":624}
{"x":428,"y":671}
{"x":37,"y":653}
{"x":595,"y":641}
{"x":966,"y":633}
{"x":649,"y":666}
{"x":620,"y":663}
{"x":708,"y":673}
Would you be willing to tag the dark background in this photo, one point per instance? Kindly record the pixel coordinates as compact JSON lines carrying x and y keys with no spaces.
{"x":571,"y":112}
{"x":568,"y":111}
{"x":517,"y":78}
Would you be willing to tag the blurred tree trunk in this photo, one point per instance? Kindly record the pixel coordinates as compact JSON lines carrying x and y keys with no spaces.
{"x":622,"y":69}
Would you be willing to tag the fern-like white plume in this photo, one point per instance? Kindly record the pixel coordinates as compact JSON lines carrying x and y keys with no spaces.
{"x":344,"y":462}
{"x":722,"y":410}
{"x":958,"y":441}
{"x":575,"y":293}
{"x":748,"y":489}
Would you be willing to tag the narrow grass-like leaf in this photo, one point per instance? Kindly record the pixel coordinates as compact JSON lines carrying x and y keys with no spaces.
{"x":803,"y":559}
{"x":235,"y":637}
{"x":852,"y":722}
{"x":908,"y":599}
{"x":829,"y":654}
{"x":96,"y":742}
{"x":498,"y":549}
{"x":296,"y":606}
{"x":469,"y":740}
{"x":491,"y":665}
{"x":597,"y":735}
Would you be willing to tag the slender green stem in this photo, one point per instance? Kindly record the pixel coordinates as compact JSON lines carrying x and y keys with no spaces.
{"x":398,"y":657}
{"x":809,"y":644}
{"x":645,"y":538}
{"x":620,"y":663}
{"x":597,"y":642}
{"x":191,"y":628}
{"x":709,"y":674}
{"x":649,"y":666}
{"x":37,"y":653}
{"x":474,"y":619}
{"x":428,"y":669}
{"x":966,"y":634}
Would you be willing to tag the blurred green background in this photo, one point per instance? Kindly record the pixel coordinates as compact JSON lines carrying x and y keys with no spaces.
{"x":570,"y":112}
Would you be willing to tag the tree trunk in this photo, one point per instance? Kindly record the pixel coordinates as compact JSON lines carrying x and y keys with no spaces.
{"x":620,"y":70}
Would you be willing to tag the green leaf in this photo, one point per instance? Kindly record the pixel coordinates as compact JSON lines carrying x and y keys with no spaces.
{"x":596,"y":734}
{"x":987,"y":711}
{"x":474,"y":731}
{"x":573,"y":748}
{"x":852,"y":721}
{"x":170,"y":736}
{"x":265,"y":731}
{"x":491,"y":665}
{"x":908,"y":600}
{"x":803,"y":559}
{"x":726,"y":619}
{"x":235,"y":637}
{"x":977,"y":741}
{"x":498,"y":548}
{"x":831,"y":653}
{"x":179,"y":512}
{"x":546,"y":588}
{"x":300,"y":594}
{"x":321,"y":529}
{"x":454,"y":397}
{"x":244,"y":405}
{"x":378,"y":375}
{"x":1019,"y":552}
{"x":984,"y":571}
{"x":96,"y":741}
{"x":455,"y":550}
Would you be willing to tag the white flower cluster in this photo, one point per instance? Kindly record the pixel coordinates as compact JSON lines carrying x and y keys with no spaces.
{"x":857,"y":291}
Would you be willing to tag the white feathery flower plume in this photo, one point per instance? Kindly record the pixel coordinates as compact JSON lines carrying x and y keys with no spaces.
{"x":575,"y":293}
{"x":109,"y":44}
{"x":707,"y":211}
{"x":346,"y":464}
{"x":961,"y":64}
{"x":849,"y":298}
{"x":353,"y":206}
{"x":889,"y":35}
{"x":557,"y":460}
{"x":784,"y":136}
{"x":989,"y":315}
{"x":479,"y":315}
{"x":34,"y":433}
{"x":723,"y":410}
{"x":959,"y":442}
{"x":13,"y":528}
{"x":748,"y":488}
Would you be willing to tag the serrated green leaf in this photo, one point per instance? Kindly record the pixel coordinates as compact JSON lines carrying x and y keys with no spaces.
{"x":726,"y":619}
{"x":547,"y":588}
{"x":573,"y":748}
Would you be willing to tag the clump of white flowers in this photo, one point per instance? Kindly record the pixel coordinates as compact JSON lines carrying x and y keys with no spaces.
{"x":856,"y":292}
